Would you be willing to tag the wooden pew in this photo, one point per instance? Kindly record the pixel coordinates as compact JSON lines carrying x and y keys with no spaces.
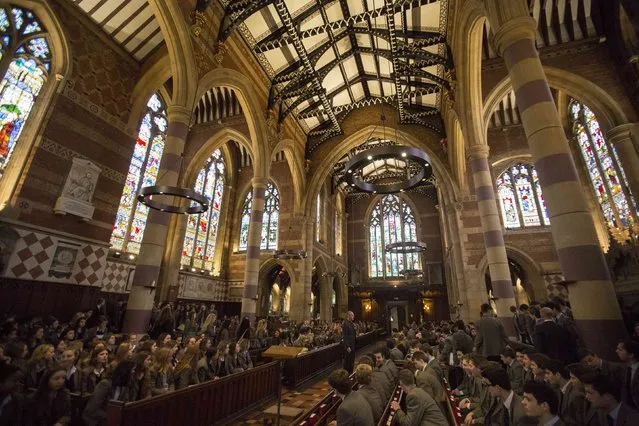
{"x":325,"y":410}
{"x":202,"y":404}
{"x":388,"y":416}
{"x":453,"y":414}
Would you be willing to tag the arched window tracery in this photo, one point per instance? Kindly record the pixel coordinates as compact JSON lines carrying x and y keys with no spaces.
{"x":198,"y":250}
{"x":270,"y":219}
{"x":130,"y":220}
{"x":392,"y":220}
{"x":25,"y":62}
{"x":520,"y":197}
{"x":606,"y":174}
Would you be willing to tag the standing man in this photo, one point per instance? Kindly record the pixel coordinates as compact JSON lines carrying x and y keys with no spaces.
{"x":349,"y":337}
{"x":491,"y":337}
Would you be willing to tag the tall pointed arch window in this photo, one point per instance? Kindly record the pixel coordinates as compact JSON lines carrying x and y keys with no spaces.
{"x":392,"y":220}
{"x":25,"y":61}
{"x":198,"y":250}
{"x":606,"y":174}
{"x":520,"y":198}
{"x":270,"y":219}
{"x":131,"y":217}
{"x":338,"y":226}
{"x":318,"y":217}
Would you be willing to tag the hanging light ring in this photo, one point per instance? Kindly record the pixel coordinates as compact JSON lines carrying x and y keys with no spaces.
{"x":148,"y":191}
{"x":402,"y":153}
{"x":288,"y":254}
{"x":406,"y":247}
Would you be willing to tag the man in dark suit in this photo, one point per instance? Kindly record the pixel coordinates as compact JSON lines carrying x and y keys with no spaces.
{"x":383,"y":362}
{"x":553,"y":340}
{"x":379,"y":379}
{"x":491,"y":336}
{"x":572,"y":400}
{"x":421,"y":409}
{"x":349,"y":338}
{"x":604,"y":394}
{"x":625,"y":372}
{"x":541,"y":402}
{"x":354,"y":410}
{"x":508,"y":411}
{"x":427,"y":379}
{"x":515,"y":371}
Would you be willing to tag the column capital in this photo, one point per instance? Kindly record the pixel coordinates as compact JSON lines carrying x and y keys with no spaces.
{"x":510,"y":22}
{"x":478,"y":151}
{"x":259,"y":182}
{"x":622,"y":133}
{"x":180,"y":114}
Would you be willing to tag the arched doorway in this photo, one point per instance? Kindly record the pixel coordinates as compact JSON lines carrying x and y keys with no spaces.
{"x":274,"y":295}
{"x":315,"y":293}
{"x":521,"y":283}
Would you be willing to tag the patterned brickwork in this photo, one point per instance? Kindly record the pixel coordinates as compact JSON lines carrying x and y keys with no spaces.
{"x":116,"y":276}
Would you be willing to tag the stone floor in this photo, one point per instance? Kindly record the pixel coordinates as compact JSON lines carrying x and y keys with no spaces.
{"x":304,"y":398}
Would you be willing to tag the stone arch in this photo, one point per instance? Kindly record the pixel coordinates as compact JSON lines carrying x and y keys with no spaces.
{"x":61,"y":68}
{"x":446,"y":184}
{"x":252,"y":109}
{"x":535,"y":286}
{"x":152,"y":80}
{"x":505,"y":163}
{"x":288,"y":146}
{"x":267,"y":266}
{"x":608,"y":111}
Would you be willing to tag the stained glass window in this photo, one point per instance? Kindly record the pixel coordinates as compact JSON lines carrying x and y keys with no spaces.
{"x":391,"y":221}
{"x":270,"y":219}
{"x":130,"y":219}
{"x":606,"y":174}
{"x":338,"y":227}
{"x":520,"y":198}
{"x":198,"y":250}
{"x":25,"y":60}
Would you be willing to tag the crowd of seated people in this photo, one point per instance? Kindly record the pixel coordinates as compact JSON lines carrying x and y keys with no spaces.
{"x":533,"y":380}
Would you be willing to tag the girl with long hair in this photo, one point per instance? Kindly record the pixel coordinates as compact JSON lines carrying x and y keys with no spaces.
{"x":41,"y":360}
{"x":244,"y":360}
{"x":96,"y":370}
{"x":221,"y":365}
{"x":141,"y":382}
{"x":261,"y":335}
{"x":50,"y":404}
{"x":124,"y":352}
{"x":185,"y":373}
{"x":117,"y":388}
{"x":162,"y":379}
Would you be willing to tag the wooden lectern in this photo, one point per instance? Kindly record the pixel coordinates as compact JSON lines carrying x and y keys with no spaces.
{"x":281,"y":354}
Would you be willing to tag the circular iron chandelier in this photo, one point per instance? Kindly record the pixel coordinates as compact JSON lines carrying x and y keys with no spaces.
{"x":148,"y":191}
{"x":403,"y":153}
{"x":406,"y":247}
{"x":411,"y":273}
{"x":289,"y":254}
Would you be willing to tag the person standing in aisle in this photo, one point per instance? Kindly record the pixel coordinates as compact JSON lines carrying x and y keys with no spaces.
{"x":349,"y":337}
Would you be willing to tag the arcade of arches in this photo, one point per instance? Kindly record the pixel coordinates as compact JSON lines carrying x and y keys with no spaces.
{"x":530,"y":124}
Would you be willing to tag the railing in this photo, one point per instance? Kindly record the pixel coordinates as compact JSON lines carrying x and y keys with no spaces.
{"x":324,"y":411}
{"x":453,"y":413}
{"x":203,"y":404}
{"x":312,"y":363}
{"x":388,"y":416}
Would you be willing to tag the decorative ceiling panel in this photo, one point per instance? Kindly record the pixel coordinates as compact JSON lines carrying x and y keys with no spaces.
{"x":130,"y":23}
{"x":326,"y":58}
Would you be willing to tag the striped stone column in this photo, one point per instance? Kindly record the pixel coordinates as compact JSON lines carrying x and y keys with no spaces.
{"x":493,"y":235}
{"x":621,"y":137}
{"x":147,"y":269}
{"x":326,"y":297}
{"x":592,"y":295}
{"x":252,"y":266}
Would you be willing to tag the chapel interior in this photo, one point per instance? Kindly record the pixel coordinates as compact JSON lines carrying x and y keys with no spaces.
{"x":289,"y":142}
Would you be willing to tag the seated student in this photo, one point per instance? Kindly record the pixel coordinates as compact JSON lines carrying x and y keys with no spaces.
{"x":571,"y":398}
{"x":525,"y":361}
{"x":379,"y":379}
{"x":73,"y":379}
{"x":244,"y":356}
{"x":541,"y":402}
{"x":162,"y":380}
{"x":477,"y":407}
{"x":625,"y":371}
{"x":577,"y":373}
{"x":12,"y":401}
{"x":537,"y":363}
{"x":364,"y":376}
{"x":515,"y":370}
{"x":507,"y":408}
{"x":604,"y":394}
{"x":117,"y":387}
{"x":467,"y":386}
{"x":41,"y":360}
{"x":433,"y":363}
{"x":50,"y":404}
{"x":384,"y":364}
{"x":427,"y":379}
{"x":395,"y":353}
{"x":421,"y":409}
{"x":204,"y":364}
{"x":354,"y":410}
{"x":185,"y":372}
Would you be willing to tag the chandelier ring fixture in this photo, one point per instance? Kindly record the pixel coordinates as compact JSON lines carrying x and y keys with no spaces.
{"x":402,"y":153}
{"x":147,"y":192}
{"x":289,"y":254}
{"x":406,"y":247}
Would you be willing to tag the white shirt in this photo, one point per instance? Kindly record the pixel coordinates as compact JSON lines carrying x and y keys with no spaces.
{"x":552,"y":421}
{"x":633,"y":368}
{"x":565,"y":387}
{"x":509,"y":401}
{"x":615,"y":413}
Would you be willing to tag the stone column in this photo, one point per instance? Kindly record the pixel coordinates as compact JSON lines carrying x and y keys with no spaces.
{"x":342,"y":299}
{"x":592,"y":295}
{"x":326,"y":296}
{"x":252,"y":265}
{"x":493,"y":235}
{"x":147,"y":270}
{"x":621,"y":137}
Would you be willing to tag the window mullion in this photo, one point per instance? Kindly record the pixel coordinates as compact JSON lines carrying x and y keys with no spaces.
{"x":540,"y":209}
{"x":208,"y":214}
{"x":513,"y":186}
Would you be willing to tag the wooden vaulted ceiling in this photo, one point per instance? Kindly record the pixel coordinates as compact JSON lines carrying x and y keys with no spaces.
{"x":326,"y":58}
